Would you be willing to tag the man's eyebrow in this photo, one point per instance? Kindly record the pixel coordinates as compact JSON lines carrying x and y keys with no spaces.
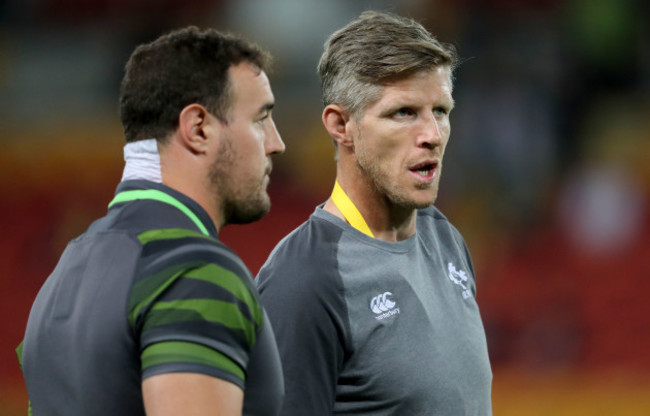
{"x":266,"y":108}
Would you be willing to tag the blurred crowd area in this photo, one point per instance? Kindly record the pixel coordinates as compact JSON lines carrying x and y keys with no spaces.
{"x":547,"y":174}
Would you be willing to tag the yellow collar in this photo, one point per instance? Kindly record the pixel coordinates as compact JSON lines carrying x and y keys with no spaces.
{"x":349,"y":210}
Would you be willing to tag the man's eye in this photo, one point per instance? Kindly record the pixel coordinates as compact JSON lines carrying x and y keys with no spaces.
{"x":404,"y":112}
{"x":440,"y":111}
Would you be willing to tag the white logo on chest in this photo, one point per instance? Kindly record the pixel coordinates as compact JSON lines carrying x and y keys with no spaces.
{"x":459,"y":278}
{"x":383,"y":306}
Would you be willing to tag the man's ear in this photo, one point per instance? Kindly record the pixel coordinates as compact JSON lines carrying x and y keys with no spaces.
{"x":337,"y":122}
{"x":195,"y":127}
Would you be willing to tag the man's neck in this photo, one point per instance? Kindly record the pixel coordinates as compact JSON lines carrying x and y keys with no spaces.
{"x":387,"y":221}
{"x":186,"y":176}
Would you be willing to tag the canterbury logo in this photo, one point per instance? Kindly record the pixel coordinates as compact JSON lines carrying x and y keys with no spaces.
{"x":383,"y":306}
{"x":380,"y":304}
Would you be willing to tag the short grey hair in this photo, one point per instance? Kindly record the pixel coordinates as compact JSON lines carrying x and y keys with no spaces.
{"x":373,"y":50}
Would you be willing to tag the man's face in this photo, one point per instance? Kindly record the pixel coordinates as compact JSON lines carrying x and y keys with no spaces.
{"x":240,"y":172}
{"x":400,"y":140}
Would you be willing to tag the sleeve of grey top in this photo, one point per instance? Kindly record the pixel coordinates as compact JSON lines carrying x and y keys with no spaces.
{"x":301,"y":290}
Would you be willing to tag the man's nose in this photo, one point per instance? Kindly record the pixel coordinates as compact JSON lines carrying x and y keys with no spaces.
{"x":430,"y":135}
{"x":274,"y":143}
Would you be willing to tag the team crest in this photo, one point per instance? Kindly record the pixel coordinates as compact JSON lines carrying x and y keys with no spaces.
{"x":459,"y":277}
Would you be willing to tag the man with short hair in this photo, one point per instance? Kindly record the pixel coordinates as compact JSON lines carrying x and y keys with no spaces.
{"x":373,"y":298}
{"x":147,"y":311}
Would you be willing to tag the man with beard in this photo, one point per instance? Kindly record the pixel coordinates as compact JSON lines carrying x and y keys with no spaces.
{"x":147,"y":312}
{"x":373,"y":298}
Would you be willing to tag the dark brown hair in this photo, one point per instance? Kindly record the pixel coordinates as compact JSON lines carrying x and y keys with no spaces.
{"x":180,"y":68}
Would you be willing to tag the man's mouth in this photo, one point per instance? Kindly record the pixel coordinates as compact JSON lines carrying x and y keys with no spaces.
{"x":425,"y":170}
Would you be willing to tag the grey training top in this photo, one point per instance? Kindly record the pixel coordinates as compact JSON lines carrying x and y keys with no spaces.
{"x":369,"y":327}
{"x":148,"y":289}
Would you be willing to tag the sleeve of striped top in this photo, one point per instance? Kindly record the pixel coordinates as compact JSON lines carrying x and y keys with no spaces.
{"x":193,"y":307}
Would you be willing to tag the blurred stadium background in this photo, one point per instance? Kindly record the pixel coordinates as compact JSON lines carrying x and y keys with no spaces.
{"x":547,"y":174}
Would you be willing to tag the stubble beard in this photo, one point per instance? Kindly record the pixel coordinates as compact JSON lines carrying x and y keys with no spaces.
{"x":241,"y":203}
{"x":383,"y":184}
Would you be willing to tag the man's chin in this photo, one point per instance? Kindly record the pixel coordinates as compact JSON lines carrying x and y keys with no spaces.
{"x":427,"y":199}
{"x":415,"y":202}
{"x":249,"y":212}
{"x":422,"y":205}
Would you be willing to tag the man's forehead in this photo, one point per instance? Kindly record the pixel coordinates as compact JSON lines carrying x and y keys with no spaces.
{"x":440,"y":77}
{"x":248,"y":79}
{"x":246,"y":70}
{"x":251,"y":93}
